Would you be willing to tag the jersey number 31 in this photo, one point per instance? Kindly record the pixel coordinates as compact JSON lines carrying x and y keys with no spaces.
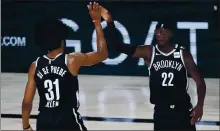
{"x":50,"y":85}
{"x":168,"y":76}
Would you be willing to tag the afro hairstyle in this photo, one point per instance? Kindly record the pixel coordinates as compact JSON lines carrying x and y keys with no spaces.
{"x":49,"y":33}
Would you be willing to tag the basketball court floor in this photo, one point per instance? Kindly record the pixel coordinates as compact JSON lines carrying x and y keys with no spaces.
{"x":107,"y":102}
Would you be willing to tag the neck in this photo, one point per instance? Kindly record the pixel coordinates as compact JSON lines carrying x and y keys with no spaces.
{"x":166,"y":48}
{"x":55,"y":52}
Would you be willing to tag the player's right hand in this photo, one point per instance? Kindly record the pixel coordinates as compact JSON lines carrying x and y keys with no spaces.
{"x":106,"y":14}
{"x":94,"y":11}
{"x":196,"y":114}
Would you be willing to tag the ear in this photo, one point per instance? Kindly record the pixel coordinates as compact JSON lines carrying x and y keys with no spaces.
{"x":170,"y":33}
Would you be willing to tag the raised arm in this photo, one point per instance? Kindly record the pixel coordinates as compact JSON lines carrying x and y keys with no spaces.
{"x":142,"y":51}
{"x":200,"y":83}
{"x":91,"y":58}
{"x":28,"y":98}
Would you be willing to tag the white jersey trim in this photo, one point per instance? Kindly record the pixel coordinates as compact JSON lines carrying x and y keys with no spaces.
{"x":167,"y":54}
{"x":74,"y":112}
{"x":53,"y":58}
{"x":181,"y":55}
{"x":182,"y":59}
{"x":37,"y":61}
{"x":152,"y":59}
{"x":66,"y":59}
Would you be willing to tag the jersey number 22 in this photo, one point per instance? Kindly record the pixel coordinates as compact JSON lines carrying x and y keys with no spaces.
{"x":168,"y":76}
{"x":50,"y":85}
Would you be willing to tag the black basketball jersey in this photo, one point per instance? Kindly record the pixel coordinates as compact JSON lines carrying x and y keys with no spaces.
{"x":168,"y":77}
{"x":57,"y":87}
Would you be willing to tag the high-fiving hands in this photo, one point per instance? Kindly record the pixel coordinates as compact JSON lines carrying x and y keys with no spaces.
{"x":94,"y":11}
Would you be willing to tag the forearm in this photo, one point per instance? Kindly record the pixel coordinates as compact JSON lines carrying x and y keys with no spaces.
{"x":201,"y":91}
{"x":26,"y":110}
{"x":101,"y":42}
{"x":112,"y":35}
{"x":114,"y":40}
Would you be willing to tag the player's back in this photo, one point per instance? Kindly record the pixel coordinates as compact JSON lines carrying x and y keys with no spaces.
{"x":57,"y":87}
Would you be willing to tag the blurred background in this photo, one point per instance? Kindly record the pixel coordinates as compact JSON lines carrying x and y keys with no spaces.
{"x":197,"y":28}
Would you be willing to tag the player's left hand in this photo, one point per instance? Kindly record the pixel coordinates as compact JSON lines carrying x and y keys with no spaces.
{"x":196,"y":114}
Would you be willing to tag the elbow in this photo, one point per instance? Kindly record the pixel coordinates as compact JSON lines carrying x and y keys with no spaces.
{"x":105,"y":55}
{"x":201,"y":84}
{"x":26,"y":104}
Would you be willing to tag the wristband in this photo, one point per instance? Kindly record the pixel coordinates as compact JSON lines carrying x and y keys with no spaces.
{"x":27,"y":127}
{"x":96,"y":21}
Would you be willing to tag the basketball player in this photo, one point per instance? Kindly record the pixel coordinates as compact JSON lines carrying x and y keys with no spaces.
{"x":55,"y":76}
{"x":168,"y":65}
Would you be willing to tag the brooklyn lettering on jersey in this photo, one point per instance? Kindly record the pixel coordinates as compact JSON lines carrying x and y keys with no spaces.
{"x":51,"y":69}
{"x":167,"y":64}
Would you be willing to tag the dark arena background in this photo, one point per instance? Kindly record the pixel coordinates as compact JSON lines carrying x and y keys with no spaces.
{"x":115,"y":93}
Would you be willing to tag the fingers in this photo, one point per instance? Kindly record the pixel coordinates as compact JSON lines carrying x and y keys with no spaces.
{"x":95,"y":6}
{"x":199,"y":119}
{"x":193,"y":121}
{"x":99,"y":8}
{"x":193,"y":113}
{"x":103,"y":10}
{"x":90,"y":6}
{"x":195,"y":118}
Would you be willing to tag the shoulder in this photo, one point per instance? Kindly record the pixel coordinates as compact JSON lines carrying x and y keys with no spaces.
{"x":187,"y":56}
{"x":185,"y":52}
{"x":76,"y":55}
{"x":182,"y":47}
{"x":34,"y":65}
{"x":32,"y":68}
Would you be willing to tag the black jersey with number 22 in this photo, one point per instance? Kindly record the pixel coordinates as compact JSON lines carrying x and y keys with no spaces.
{"x":168,"y":77}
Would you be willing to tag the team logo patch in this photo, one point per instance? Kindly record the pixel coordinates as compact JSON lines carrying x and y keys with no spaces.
{"x":176,"y":55}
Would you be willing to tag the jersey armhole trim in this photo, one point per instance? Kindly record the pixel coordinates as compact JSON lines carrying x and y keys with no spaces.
{"x":77,"y":119}
{"x":182,"y":58}
{"x":37,"y":61}
{"x":66,"y":59}
{"x":152,"y":57}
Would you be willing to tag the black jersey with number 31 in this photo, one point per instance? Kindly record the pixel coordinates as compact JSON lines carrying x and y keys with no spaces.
{"x":168,"y":77}
{"x":57,"y":87}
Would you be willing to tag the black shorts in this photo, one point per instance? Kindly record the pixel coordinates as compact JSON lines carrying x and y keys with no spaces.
{"x":172,"y":117}
{"x":64,"y":120}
